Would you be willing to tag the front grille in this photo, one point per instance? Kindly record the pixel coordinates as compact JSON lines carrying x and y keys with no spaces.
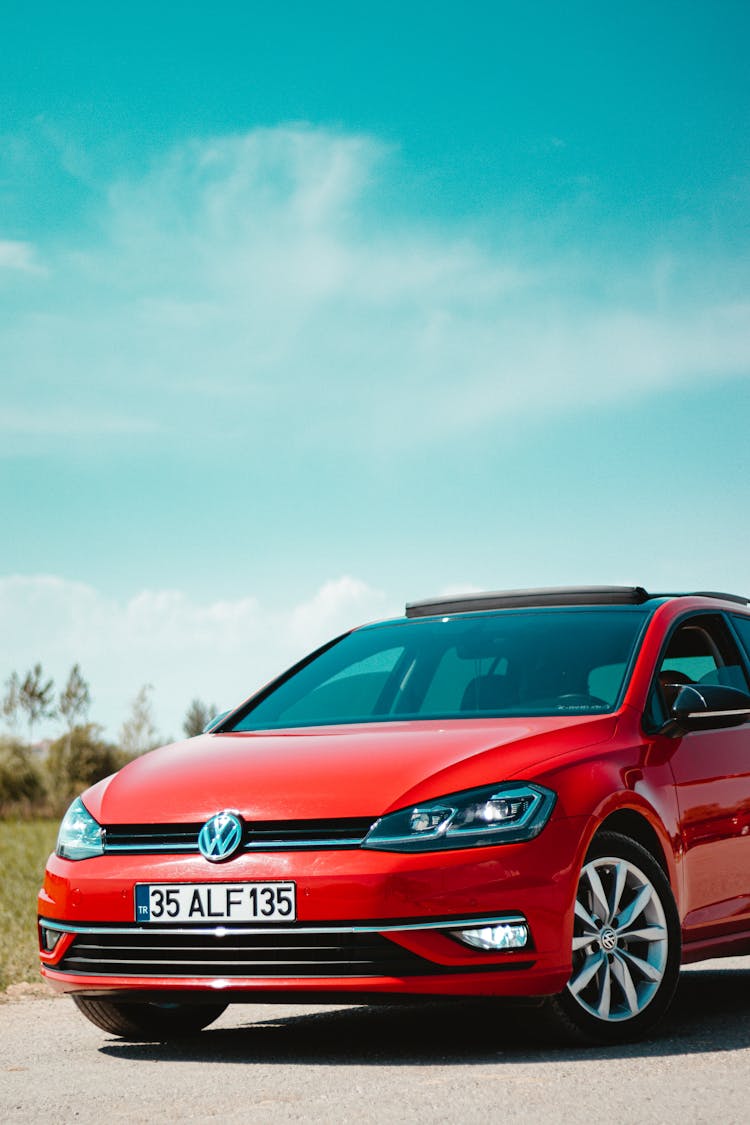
{"x":202,"y":954}
{"x":147,"y":839}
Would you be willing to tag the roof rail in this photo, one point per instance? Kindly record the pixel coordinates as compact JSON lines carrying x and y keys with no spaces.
{"x":509,"y":599}
{"x":737,"y":598}
{"x":552,"y":596}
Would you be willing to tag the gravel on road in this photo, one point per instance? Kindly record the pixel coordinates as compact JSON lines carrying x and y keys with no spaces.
{"x":436,"y":1062}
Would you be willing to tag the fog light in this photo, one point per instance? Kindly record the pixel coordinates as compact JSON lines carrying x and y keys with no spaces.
{"x":505,"y":935}
{"x":48,"y":939}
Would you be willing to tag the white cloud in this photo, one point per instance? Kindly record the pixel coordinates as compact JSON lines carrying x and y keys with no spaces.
{"x":333,"y":608}
{"x":258,"y":276}
{"x":19,"y":256}
{"x":66,"y":421}
{"x":220,"y":652}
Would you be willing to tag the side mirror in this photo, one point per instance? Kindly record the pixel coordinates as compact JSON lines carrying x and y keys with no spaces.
{"x":707,"y":707}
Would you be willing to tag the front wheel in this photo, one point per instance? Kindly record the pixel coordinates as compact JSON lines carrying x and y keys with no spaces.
{"x":148,"y":1020}
{"x":626,"y":945}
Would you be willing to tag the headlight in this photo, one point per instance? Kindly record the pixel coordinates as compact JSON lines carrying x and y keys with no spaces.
{"x":80,"y":836}
{"x":496,"y":814}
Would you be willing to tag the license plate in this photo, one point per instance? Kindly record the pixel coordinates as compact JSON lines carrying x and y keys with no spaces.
{"x":215,"y":902}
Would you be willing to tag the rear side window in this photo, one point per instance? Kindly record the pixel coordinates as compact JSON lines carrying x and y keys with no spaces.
{"x":694,"y":667}
{"x":742,"y":625}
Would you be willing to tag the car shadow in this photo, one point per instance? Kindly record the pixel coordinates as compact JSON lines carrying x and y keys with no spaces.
{"x":709,"y":1013}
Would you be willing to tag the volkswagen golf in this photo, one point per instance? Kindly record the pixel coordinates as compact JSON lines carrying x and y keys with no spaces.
{"x":540,"y":794}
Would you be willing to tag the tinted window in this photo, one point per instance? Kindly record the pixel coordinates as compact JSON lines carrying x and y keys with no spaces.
{"x":351,"y":691}
{"x":701,"y":651}
{"x":742,"y":625}
{"x":533,"y":662}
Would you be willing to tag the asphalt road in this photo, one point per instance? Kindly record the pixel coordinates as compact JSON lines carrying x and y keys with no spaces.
{"x":416,"y":1064}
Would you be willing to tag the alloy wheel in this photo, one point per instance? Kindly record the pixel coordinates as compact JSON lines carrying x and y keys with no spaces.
{"x":620,"y":940}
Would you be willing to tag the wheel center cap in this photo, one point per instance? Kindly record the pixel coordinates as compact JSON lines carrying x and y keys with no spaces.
{"x":608,"y":939}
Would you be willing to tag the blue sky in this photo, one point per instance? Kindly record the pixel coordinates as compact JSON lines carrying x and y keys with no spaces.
{"x":307,"y":310}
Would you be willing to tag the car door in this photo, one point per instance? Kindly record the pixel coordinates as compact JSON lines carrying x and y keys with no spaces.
{"x":711,"y":771}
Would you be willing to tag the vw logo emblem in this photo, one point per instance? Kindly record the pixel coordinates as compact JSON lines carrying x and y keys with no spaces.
{"x":220,"y":837}
{"x":608,"y":938}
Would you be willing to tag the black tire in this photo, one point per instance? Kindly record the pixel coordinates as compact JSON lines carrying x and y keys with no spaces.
{"x":148,"y":1020}
{"x":625,"y":976}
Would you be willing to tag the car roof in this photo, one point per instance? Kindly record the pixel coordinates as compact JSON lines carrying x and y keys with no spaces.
{"x":556,"y":596}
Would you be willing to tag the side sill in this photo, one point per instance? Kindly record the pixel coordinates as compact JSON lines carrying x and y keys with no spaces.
{"x":734,"y":945}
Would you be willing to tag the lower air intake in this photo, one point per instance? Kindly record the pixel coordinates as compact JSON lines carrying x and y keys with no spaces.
{"x":269,"y":955}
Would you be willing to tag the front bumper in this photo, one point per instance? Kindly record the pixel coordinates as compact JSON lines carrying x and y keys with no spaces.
{"x":369,"y":923}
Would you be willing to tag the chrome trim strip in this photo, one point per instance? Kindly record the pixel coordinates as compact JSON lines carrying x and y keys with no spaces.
{"x":223,"y":931}
{"x":714,"y":714}
{"x":262,"y":846}
{"x":206,"y":964}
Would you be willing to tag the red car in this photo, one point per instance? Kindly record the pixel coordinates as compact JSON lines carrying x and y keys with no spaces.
{"x":539,"y":793}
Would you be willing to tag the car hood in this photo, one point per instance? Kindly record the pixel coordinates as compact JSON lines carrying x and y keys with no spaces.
{"x":341,"y":771}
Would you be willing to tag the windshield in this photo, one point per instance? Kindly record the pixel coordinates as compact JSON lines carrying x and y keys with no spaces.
{"x":567,"y":661}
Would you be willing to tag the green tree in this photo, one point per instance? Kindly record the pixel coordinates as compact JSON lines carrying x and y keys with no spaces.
{"x":36,"y":697}
{"x":138,"y":732}
{"x":75,"y":699}
{"x":12,"y":700}
{"x":196,"y":717}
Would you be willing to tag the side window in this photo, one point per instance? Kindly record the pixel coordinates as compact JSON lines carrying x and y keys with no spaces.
{"x":742,"y":625}
{"x":700,"y":651}
{"x":605,"y":682}
{"x":468,"y":685}
{"x":352,"y":693}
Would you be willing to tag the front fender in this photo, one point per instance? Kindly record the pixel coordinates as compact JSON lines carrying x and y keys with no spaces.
{"x":622,"y":780}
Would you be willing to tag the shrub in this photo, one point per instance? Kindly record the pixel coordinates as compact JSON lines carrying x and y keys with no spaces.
{"x":77,"y":760}
{"x":22,"y":785}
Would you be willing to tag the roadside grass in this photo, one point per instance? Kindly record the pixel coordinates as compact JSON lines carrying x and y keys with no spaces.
{"x":24,"y":847}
